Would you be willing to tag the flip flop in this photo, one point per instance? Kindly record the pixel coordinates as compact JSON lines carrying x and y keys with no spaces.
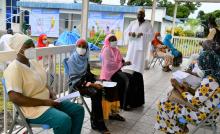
{"x":116,"y":117}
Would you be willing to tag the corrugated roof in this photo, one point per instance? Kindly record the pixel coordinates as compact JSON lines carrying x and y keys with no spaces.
{"x":78,"y":6}
{"x":169,"y":18}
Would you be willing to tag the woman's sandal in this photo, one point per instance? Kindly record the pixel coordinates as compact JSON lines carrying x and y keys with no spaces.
{"x":116,"y":117}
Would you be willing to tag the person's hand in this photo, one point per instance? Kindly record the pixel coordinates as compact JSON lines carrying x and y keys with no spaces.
{"x":139,"y":35}
{"x":133,"y":34}
{"x":98,"y":86}
{"x":52,"y":103}
{"x":88,"y":84}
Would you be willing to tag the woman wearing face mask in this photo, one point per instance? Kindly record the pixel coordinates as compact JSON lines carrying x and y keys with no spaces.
{"x":26,"y":83}
{"x":112,"y":62}
{"x":177,"y":60}
{"x":83,"y":80}
{"x":204,"y":99}
{"x":42,"y":42}
{"x":161,"y":51}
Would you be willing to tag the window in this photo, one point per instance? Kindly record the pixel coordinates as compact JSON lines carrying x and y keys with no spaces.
{"x":66,"y":23}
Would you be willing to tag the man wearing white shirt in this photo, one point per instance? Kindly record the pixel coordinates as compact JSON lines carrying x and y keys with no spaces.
{"x":138,"y":35}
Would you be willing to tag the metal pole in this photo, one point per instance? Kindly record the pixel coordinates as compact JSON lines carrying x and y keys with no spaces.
{"x":84,"y":18}
{"x":153,"y":12}
{"x":174,"y":17}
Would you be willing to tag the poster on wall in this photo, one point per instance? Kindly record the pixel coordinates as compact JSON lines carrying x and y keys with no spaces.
{"x":44,"y":21}
{"x":106,"y":23}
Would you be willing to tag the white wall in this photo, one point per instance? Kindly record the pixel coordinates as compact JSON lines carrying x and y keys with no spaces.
{"x":2,"y":14}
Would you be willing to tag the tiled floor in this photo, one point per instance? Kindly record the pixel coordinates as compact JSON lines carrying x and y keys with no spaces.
{"x":141,"y":120}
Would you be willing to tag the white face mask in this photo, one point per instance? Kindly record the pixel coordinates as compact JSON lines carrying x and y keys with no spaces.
{"x":44,"y":42}
{"x":159,"y":37}
{"x":81,"y":51}
{"x":114,"y":43}
{"x":30,"y":53}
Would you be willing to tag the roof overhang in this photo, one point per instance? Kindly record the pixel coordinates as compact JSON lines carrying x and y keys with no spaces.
{"x":207,"y":1}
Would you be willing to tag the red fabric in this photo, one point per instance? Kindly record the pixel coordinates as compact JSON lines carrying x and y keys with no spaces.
{"x":40,"y":43}
{"x":156,"y":41}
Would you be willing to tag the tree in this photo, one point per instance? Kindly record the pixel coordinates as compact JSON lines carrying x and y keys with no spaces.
{"x":140,"y":2}
{"x":183,"y":11}
{"x":96,"y":1}
{"x":122,"y":2}
{"x":200,"y":14}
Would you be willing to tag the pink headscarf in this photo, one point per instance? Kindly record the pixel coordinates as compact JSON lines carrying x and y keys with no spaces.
{"x":111,"y":59}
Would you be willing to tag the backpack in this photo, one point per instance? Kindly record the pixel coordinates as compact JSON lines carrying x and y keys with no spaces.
{"x":217,"y":36}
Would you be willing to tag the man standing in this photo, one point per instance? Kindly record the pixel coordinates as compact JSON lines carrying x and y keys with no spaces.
{"x":138,"y":35}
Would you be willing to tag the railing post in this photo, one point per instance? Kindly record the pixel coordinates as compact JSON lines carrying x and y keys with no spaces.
{"x":5,"y":113}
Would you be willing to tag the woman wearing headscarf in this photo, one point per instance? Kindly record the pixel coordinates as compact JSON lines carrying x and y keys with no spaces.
{"x":26,"y":83}
{"x":161,"y":52}
{"x":204,"y":99}
{"x":177,"y":54}
{"x":112,"y":62}
{"x":84,"y":81}
{"x":42,"y":42}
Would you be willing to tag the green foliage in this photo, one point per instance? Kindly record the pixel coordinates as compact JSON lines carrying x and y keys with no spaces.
{"x":97,"y":39}
{"x":122,"y":2}
{"x":183,"y":10}
{"x":204,"y":18}
{"x":189,"y":33}
{"x":140,"y":2}
{"x":96,"y":1}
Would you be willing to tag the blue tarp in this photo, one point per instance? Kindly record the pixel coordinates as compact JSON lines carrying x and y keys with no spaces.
{"x":70,"y":38}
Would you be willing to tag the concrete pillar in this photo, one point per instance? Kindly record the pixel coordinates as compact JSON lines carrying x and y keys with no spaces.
{"x":174,"y":17}
{"x":21,"y":20}
{"x":153,"y":12}
{"x":84,"y":18}
{"x":69,"y":22}
{"x":3,"y":15}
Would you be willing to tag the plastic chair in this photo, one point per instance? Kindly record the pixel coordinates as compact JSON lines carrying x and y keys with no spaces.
{"x":204,"y":124}
{"x":156,"y":58}
{"x":66,"y":71}
{"x":19,"y":119}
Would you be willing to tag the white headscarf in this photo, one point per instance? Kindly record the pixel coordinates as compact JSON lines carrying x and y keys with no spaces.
{"x":4,"y":42}
{"x":17,"y":41}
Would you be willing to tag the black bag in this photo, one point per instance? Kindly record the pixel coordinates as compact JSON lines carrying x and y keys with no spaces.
{"x":178,"y":60}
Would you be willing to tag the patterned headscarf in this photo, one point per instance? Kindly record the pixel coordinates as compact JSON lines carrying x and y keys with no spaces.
{"x":209,"y":62}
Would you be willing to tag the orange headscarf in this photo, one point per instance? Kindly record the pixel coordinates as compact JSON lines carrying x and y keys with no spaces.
{"x":40,"y":41}
{"x":156,"y":41}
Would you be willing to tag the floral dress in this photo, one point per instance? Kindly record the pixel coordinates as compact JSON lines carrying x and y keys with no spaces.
{"x":206,"y":98}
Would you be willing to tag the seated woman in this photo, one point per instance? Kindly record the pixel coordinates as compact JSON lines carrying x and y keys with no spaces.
{"x":161,"y":51}
{"x":83,"y":80}
{"x":26,"y":85}
{"x":204,"y":99}
{"x":177,"y":54}
{"x":42,"y":42}
{"x":112,"y":62}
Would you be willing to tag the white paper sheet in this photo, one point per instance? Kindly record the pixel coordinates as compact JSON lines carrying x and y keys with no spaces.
{"x":68,"y":97}
{"x":107,"y":83}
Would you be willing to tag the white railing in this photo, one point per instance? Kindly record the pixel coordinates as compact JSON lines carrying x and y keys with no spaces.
{"x":187,"y":45}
